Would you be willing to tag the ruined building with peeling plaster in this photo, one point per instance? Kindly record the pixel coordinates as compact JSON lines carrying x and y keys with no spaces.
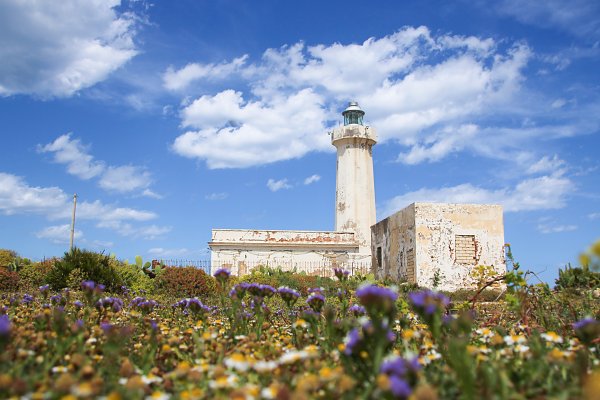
{"x":423,"y":243}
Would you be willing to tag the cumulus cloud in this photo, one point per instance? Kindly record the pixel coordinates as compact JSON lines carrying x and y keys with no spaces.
{"x":119,"y":179}
{"x":274,"y":185}
{"x":180,"y":79}
{"x":312,"y":179}
{"x":55,"y":49}
{"x":59,"y":233}
{"x":539,"y":193}
{"x":75,"y":155}
{"x":17,"y":197}
{"x":411,"y":83}
{"x":123,"y":179}
{"x":234,"y":133}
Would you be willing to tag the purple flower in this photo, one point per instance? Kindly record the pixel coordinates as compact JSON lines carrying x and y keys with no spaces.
{"x":428,"y":302}
{"x":587,"y":330}
{"x":581,"y":324}
{"x":5,"y":326}
{"x":290,"y":296}
{"x":106,"y":327}
{"x":88,"y":286}
{"x":78,"y":304}
{"x":352,"y":342}
{"x":357,"y":310}
{"x":316,"y":301}
{"x":377,"y":300}
{"x":239,"y":290}
{"x":222,"y":274}
{"x":44,"y":288}
{"x":27,"y":298}
{"x":399,"y":387}
{"x":341,"y":274}
{"x":114,"y":303}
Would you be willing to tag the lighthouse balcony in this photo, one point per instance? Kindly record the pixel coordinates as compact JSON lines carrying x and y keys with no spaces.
{"x":354,"y":131}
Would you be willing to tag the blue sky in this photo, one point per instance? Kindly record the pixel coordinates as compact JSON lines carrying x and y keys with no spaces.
{"x":171,"y":118}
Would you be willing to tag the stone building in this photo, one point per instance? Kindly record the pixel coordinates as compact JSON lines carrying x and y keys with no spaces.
{"x":424,"y":243}
{"x":429,"y":242}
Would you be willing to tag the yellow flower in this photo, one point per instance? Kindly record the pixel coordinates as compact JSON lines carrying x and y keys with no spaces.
{"x":383,"y":382}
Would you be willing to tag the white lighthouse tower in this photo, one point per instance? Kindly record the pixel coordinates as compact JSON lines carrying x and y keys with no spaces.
{"x":355,"y":187}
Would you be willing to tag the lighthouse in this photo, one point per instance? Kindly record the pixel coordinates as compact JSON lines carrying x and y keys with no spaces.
{"x":355,"y":187}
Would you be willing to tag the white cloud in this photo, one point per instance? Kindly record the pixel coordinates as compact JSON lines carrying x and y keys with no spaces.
{"x":547,"y":227}
{"x":123,"y":179}
{"x":120,"y":179}
{"x":59,"y":233}
{"x":274,"y":185}
{"x":593,"y":216}
{"x":74,"y":154}
{"x":161,"y":252}
{"x":546,"y":164}
{"x":410,"y":83}
{"x":233,"y":133}
{"x":182,"y":78}
{"x":312,"y":179}
{"x":579,"y":17}
{"x":438,"y":145}
{"x":216,"y":196}
{"x":17,"y":197}
{"x":540,"y":193}
{"x":58,"y":48}
{"x":558,"y":103}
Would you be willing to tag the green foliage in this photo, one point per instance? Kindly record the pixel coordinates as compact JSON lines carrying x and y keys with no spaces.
{"x":7,"y":256}
{"x":93,"y":266}
{"x":133,"y":277}
{"x":32,"y":276}
{"x":186,"y":282}
{"x":277,"y":277}
{"x":577,"y":278}
{"x":9,"y":280}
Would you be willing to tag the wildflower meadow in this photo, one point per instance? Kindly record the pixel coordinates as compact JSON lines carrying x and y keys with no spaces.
{"x":90,"y":326}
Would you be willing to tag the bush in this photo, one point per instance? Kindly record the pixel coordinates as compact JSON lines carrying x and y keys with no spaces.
{"x":7,"y":257}
{"x":33,"y":276}
{"x":93,"y":266}
{"x":186,"y":282}
{"x":133,"y":277}
{"x":577,"y":278}
{"x":9,"y":280}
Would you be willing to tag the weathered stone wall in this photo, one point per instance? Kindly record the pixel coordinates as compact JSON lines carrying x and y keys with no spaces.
{"x":392,"y":244}
{"x":426,"y":240}
{"x":314,"y":252}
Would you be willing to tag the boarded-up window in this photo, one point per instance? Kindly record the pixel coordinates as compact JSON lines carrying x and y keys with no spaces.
{"x":378,"y":257}
{"x":465,"y":249}
{"x":410,"y":265}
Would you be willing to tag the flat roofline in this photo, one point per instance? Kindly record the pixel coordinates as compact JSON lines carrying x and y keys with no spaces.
{"x":453,"y":204}
{"x":276,"y":230}
{"x":349,"y":245}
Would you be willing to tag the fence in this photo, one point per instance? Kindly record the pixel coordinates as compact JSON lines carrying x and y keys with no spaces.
{"x":324,"y":269}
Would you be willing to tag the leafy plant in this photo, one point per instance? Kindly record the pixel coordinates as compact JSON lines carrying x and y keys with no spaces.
{"x":93,"y":266}
{"x":9,"y":280}
{"x":7,"y":256}
{"x":185,"y":281}
{"x":577,"y":278}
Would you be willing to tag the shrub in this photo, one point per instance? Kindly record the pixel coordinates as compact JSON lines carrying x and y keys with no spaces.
{"x":577,"y":278}
{"x":7,"y":257}
{"x":133,"y":277}
{"x":33,"y":276}
{"x":9,"y":280}
{"x":185,"y":281}
{"x":93,"y":266}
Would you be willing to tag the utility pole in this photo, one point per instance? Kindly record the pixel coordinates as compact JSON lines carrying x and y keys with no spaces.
{"x":73,"y":221}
